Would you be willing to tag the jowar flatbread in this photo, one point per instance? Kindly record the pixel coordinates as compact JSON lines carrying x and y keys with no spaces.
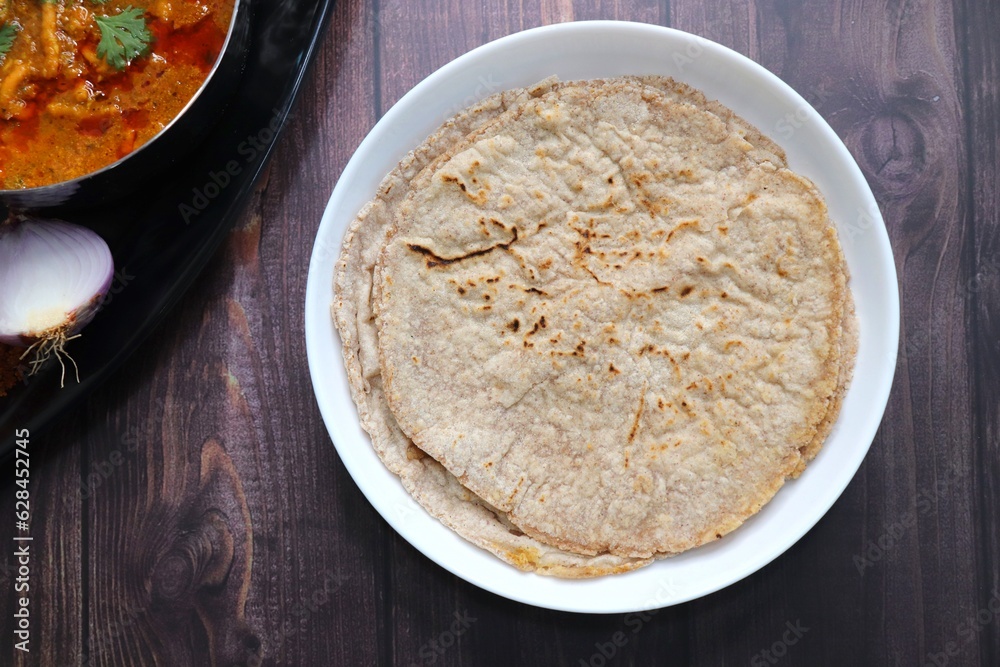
{"x":614,"y":316}
{"x":520,"y":396}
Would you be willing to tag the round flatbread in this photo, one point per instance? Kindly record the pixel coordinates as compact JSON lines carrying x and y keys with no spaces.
{"x":614,"y":317}
{"x":437,"y":490}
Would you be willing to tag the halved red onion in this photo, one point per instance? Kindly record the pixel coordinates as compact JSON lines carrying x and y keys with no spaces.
{"x":53,"y":278}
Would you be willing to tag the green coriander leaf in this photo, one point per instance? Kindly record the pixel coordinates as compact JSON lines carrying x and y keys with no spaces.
{"x":124,"y":36}
{"x":8,"y":33}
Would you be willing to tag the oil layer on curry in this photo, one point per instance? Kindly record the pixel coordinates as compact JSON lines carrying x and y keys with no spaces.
{"x":84,"y":83}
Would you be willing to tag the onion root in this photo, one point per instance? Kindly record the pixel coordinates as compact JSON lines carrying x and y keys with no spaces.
{"x":52,"y":344}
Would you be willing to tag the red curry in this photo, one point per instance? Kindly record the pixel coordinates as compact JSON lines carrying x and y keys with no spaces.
{"x":84,"y":82}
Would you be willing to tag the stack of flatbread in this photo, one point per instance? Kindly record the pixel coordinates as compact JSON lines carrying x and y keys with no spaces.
{"x":595,"y":323}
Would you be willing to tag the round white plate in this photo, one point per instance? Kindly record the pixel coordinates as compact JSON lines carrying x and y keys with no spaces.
{"x":603,"y":49}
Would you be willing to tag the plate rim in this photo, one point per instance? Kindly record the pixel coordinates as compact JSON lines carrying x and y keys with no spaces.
{"x":317,"y":314}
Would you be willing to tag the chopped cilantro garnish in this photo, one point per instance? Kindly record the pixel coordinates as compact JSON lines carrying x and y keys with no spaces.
{"x":8,"y":33}
{"x":124,"y":37}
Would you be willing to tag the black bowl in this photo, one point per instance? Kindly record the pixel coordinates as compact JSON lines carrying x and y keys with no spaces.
{"x":172,"y":142}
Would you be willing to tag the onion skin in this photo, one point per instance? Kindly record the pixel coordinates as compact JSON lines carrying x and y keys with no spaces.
{"x":76,"y":265}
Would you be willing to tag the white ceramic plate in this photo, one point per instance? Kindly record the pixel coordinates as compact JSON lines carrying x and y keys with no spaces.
{"x":603,"y":49}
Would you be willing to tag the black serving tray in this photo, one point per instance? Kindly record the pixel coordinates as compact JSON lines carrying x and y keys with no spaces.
{"x":163,"y":234}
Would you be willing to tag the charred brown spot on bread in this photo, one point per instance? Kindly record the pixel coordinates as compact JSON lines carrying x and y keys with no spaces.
{"x":514,"y":324}
{"x":687,"y":290}
{"x":686,"y":223}
{"x":638,"y":416}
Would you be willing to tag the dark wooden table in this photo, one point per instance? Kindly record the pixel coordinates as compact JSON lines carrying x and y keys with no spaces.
{"x":194,"y":510}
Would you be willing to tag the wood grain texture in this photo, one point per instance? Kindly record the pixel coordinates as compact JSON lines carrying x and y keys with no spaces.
{"x":194,"y":511}
{"x":981,"y":63}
